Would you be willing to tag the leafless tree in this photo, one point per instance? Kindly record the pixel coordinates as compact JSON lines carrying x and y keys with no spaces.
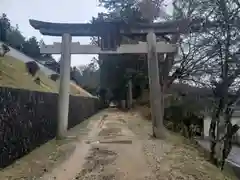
{"x":218,"y":51}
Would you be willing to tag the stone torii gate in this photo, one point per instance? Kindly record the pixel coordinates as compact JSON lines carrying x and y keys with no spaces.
{"x":110,"y":33}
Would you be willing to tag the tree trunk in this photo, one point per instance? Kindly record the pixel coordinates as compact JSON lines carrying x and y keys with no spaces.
{"x":214,"y":132}
{"x":230,"y":130}
{"x":212,"y":135}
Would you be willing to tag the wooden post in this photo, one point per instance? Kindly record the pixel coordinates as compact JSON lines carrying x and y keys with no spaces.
{"x":64,"y":88}
{"x":154,"y":87}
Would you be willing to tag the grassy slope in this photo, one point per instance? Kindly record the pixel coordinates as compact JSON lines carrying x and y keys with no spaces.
{"x":14,"y":74}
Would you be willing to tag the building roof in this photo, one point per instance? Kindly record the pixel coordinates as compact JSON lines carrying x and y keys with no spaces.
{"x":236,"y":113}
{"x":191,"y":90}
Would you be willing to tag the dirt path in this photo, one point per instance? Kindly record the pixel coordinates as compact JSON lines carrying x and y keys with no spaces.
{"x":116,"y":153}
{"x":118,"y":146}
{"x":110,"y":151}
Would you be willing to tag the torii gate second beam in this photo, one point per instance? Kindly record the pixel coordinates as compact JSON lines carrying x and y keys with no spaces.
{"x":140,"y":48}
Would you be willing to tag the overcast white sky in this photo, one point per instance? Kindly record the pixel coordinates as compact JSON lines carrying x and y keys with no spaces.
{"x":20,"y":11}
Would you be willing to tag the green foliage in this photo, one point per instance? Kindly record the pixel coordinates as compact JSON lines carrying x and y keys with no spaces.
{"x":4,"y":27}
{"x":88,"y":75}
{"x":184,"y":118}
{"x":185,"y":112}
{"x":116,"y":67}
{"x":15,"y":38}
{"x":122,"y":10}
{"x":31,"y":47}
{"x":12,"y":36}
{"x":131,"y":11}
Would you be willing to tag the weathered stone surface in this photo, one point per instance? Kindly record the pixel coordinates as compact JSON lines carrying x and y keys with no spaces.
{"x":29,"y":119}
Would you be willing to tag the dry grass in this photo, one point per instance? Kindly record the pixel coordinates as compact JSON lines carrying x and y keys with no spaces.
{"x":182,"y":159}
{"x":39,"y":161}
{"x":13,"y":74}
{"x":145,"y":111}
{"x":187,"y":161}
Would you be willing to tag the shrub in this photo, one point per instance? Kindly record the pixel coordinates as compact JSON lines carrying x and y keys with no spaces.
{"x":180,"y":119}
{"x":4,"y":49}
{"x":54,"y":77}
{"x":37,"y":81}
{"x":32,"y":67}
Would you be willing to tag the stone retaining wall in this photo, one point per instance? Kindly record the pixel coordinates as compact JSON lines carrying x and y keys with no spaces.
{"x":29,"y":118}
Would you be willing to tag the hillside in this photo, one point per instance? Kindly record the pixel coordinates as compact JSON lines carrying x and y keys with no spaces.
{"x":14,"y":74}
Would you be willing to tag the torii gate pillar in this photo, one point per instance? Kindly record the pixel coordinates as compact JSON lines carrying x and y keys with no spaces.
{"x":154,"y":87}
{"x":130,"y":96}
{"x":64,"y":87}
